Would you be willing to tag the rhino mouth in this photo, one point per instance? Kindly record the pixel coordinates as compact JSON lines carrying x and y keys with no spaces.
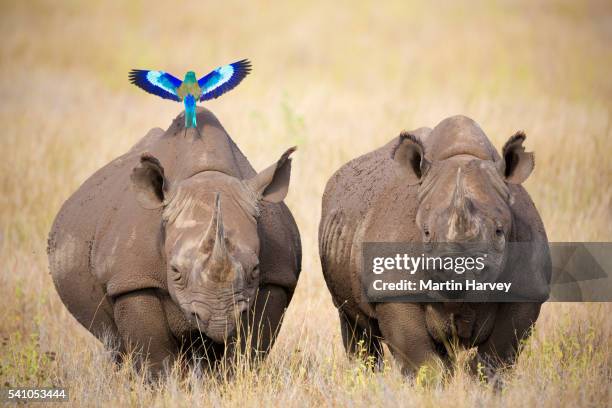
{"x":488,"y":273}
{"x":218,"y":324}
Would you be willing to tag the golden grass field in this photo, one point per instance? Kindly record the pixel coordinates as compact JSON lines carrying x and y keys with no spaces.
{"x":337,"y":80}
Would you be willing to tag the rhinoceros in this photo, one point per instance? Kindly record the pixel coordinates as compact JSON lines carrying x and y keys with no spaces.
{"x":446,"y":185}
{"x":174,"y":246}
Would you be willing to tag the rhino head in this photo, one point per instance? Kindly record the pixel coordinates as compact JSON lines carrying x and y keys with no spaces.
{"x":464,"y":198}
{"x":210,"y":239}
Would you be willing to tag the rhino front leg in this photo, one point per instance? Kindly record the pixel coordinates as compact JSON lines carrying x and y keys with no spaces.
{"x":404,"y":329}
{"x":263,"y":321}
{"x":144,"y":330}
{"x":359,"y":339}
{"x":513,"y":323}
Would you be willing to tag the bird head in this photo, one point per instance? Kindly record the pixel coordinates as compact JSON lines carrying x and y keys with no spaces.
{"x":190,"y":76}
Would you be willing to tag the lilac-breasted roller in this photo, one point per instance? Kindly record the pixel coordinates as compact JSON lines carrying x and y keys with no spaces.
{"x":190,"y":90}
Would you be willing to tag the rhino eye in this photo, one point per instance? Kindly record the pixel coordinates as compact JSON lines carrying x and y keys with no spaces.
{"x":499,"y":231}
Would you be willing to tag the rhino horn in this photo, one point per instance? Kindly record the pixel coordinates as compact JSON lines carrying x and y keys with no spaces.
{"x":461,"y":217}
{"x":219,"y":262}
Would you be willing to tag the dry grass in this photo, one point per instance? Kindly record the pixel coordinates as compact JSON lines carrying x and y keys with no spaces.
{"x":337,"y":81}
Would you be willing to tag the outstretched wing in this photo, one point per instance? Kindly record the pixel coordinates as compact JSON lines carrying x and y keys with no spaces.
{"x":158,"y":83}
{"x":223,"y":79}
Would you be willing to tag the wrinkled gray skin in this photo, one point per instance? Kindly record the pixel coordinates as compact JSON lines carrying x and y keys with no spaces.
{"x":172,"y":246}
{"x":442,"y":185}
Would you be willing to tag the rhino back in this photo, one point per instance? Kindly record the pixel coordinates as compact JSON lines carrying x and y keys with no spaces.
{"x":458,"y":135}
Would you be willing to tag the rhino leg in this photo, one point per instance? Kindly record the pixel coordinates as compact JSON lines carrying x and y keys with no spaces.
{"x":264,"y":320}
{"x":513,"y":324}
{"x":405,"y":332}
{"x":144,"y":330}
{"x":88,"y":303}
{"x":361,"y":340}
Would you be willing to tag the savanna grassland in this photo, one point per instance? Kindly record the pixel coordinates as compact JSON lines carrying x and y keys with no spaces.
{"x":337,"y":79}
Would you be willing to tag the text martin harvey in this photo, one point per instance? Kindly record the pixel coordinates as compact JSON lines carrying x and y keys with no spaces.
{"x":405,"y":284}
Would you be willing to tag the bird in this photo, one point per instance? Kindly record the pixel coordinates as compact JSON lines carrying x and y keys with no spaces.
{"x":212,"y":85}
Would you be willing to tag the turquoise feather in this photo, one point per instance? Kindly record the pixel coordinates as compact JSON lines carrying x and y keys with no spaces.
{"x":191,"y":89}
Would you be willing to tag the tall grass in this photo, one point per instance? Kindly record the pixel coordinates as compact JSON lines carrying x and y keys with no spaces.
{"x":337,"y":80}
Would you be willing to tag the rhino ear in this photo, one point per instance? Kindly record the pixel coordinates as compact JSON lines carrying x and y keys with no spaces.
{"x":409,"y":157}
{"x":272,"y":184}
{"x":516,"y":164}
{"x":149,"y":183}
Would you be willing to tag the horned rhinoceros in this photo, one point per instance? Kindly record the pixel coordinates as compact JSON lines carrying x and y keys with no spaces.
{"x":174,"y":245}
{"x":446,"y":185}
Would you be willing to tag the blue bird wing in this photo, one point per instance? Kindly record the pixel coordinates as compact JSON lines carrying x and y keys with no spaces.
{"x":158,"y":83}
{"x":223,"y":79}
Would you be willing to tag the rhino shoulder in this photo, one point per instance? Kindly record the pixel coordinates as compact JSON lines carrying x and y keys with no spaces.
{"x":280,"y":246}
{"x":127,"y":251}
{"x":530,"y":267}
{"x":528,"y":223}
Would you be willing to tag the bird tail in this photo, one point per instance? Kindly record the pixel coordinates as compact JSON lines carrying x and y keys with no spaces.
{"x":190,"y":112}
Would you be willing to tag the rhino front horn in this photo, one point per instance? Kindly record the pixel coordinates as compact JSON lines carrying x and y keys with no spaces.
{"x":219,"y":262}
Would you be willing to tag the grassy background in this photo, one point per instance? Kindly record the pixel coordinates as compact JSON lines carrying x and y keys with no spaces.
{"x":338,"y":79}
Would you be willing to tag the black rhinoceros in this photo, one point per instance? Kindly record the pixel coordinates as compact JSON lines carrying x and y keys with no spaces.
{"x":446,"y":185}
{"x":170,"y":246}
